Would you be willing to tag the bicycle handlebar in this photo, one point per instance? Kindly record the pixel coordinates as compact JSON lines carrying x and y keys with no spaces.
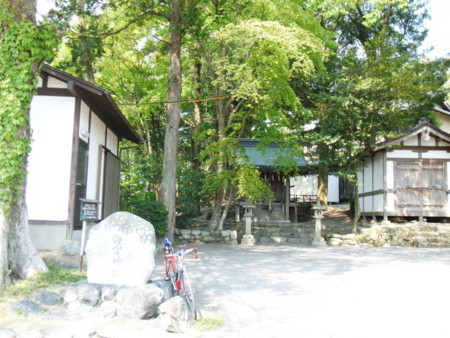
{"x":181,"y":252}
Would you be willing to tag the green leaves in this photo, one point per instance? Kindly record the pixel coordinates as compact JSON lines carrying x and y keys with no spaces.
{"x":23,"y":46}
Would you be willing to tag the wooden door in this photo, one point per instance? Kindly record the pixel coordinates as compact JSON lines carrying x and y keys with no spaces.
{"x":111,"y":184}
{"x":81,"y":182}
{"x":420,"y":187}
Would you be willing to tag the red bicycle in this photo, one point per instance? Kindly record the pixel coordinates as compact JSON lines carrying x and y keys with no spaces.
{"x":177,"y":274}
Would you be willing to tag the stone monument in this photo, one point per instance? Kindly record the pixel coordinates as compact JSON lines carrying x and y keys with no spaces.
{"x":120,"y":250}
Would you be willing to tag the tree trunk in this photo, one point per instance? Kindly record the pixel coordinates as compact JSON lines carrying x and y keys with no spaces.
{"x":197,"y":105}
{"x":220,"y":167}
{"x":24,"y":260}
{"x":227,"y":206}
{"x":17,"y":253}
{"x":3,"y":250}
{"x":322,"y":191}
{"x":356,"y":207}
{"x":169,"y":172}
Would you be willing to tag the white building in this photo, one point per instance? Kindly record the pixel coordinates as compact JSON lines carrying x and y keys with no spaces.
{"x":408,"y":176}
{"x":76,"y":130}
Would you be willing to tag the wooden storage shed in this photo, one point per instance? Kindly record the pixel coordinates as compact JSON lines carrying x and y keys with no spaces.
{"x":76,"y":131}
{"x":408,"y":176}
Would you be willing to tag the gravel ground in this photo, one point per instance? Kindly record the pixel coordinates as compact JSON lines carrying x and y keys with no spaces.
{"x":272,"y":291}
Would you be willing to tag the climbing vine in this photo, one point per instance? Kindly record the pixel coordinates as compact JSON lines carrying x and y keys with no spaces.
{"x":23,"y":47}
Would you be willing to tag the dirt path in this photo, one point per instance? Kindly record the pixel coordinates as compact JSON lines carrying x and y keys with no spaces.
{"x":278,"y":290}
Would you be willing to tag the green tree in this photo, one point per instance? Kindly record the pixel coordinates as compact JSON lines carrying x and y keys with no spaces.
{"x":382,"y":86}
{"x":23,"y":47}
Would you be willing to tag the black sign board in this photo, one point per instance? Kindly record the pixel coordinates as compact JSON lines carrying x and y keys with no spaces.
{"x":89,"y":210}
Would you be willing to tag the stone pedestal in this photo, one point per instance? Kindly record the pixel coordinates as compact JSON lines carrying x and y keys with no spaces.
{"x":318,"y":215}
{"x":319,"y":241}
{"x":248,"y":240}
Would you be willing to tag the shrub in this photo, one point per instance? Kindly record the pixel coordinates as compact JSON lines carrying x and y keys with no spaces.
{"x":153,"y":211}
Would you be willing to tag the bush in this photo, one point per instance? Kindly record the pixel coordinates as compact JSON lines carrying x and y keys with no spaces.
{"x":153,"y":211}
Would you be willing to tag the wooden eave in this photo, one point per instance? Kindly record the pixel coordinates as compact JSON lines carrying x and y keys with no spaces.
{"x":419,"y":129}
{"x":98,"y":100}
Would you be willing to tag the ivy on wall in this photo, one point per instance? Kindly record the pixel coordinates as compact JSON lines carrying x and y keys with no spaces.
{"x":23,"y":47}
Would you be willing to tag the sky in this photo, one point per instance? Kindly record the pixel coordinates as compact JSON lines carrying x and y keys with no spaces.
{"x":438,"y":26}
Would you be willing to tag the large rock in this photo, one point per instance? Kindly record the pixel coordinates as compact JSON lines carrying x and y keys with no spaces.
{"x":26,"y":307}
{"x":120,"y":250}
{"x":139,"y":302}
{"x":174,"y":315}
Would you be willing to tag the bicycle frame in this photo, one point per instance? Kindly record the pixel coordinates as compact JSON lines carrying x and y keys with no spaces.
{"x":176,"y":273}
{"x":174,"y":267}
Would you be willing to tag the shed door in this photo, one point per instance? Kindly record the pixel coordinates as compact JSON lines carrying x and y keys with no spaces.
{"x":111,"y":184}
{"x":420,"y":187}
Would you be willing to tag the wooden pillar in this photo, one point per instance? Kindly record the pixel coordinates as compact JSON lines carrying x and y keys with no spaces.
{"x":286,"y":200}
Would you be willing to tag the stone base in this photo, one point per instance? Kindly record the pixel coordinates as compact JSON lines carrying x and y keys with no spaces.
{"x":319,"y":242}
{"x":248,"y":240}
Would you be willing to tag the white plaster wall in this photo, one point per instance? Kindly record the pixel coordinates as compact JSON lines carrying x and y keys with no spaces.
{"x":304,"y":185}
{"x":431,"y":142}
{"x":112,"y":142}
{"x":437,"y":154}
{"x":308,"y":185}
{"x":333,"y":189}
{"x":442,"y":143}
{"x":390,"y":203}
{"x":390,"y":175}
{"x":359,"y":174}
{"x":55,"y":83}
{"x":412,"y":141}
{"x":49,"y":162}
{"x":378,"y":174}
{"x":398,"y":153}
{"x":367,"y":182}
{"x":95,"y":166}
{"x":84,"y":122}
{"x":368,"y":203}
{"x":378,"y":203}
{"x":48,"y":237}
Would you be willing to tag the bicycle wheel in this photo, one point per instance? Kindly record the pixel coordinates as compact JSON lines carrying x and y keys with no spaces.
{"x":188,"y":294}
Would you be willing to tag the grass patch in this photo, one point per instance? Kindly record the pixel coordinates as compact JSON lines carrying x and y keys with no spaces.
{"x":55,"y":276}
{"x":209,"y":324}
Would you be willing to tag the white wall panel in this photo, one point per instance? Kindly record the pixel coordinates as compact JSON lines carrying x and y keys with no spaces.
{"x":95,"y":166}
{"x":368,"y":204}
{"x":441,"y":154}
{"x":378,"y":203}
{"x":112,"y":142}
{"x":390,"y":205}
{"x":398,"y":153}
{"x":84,"y":122}
{"x":360,"y":175}
{"x":55,"y":83}
{"x":412,"y":141}
{"x":304,"y":185}
{"x":49,"y":162}
{"x":368,"y":176}
{"x":390,"y":175}
{"x":333,"y":189}
{"x":378,"y":174}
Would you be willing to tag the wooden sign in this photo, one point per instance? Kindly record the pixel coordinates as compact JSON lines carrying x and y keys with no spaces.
{"x":89,"y":210}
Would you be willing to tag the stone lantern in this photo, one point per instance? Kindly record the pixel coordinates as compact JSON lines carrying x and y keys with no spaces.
{"x":248,"y":238}
{"x":318,"y":215}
